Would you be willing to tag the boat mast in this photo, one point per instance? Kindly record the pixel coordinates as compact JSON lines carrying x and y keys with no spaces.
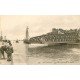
{"x":1,"y":36}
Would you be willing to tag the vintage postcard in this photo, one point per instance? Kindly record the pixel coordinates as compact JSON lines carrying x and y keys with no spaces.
{"x":39,"y":40}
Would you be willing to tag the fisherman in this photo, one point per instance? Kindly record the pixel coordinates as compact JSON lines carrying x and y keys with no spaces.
{"x":9,"y":51}
{"x":3,"y":49}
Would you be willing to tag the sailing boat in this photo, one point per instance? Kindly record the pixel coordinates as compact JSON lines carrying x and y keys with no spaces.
{"x":1,"y":37}
{"x":17,"y":41}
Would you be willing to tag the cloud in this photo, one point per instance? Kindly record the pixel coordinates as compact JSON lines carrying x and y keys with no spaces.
{"x":14,"y":26}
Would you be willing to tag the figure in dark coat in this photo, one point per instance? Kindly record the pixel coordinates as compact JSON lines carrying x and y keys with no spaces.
{"x":2,"y":50}
{"x":9,"y":51}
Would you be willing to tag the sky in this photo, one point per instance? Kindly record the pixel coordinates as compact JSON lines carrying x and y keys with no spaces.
{"x":14,"y":27}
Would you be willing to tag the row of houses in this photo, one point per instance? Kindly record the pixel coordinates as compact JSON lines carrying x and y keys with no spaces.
{"x":57,"y":36}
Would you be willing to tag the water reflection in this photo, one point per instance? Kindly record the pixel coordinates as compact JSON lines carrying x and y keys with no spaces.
{"x":60,"y":53}
{"x":42,"y":54}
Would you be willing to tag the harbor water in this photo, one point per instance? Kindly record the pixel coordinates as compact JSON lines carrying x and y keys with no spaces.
{"x":43,"y":54}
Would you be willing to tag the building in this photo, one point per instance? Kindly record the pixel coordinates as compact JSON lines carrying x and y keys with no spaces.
{"x":58,"y":36}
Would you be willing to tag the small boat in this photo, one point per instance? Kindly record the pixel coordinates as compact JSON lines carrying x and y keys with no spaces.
{"x":17,"y":41}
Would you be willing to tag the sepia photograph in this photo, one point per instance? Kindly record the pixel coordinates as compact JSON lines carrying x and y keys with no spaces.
{"x":39,"y":39}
